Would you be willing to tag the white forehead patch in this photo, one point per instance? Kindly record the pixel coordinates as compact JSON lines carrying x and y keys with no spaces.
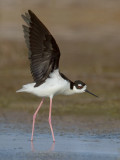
{"x":79,"y":85}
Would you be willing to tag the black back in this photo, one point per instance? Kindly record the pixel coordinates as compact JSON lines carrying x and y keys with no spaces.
{"x":44,"y":52}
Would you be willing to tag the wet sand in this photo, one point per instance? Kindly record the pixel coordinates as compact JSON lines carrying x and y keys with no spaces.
{"x":15,"y":144}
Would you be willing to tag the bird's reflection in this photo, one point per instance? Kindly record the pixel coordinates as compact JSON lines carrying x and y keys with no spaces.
{"x":32,"y":146}
{"x":50,"y":149}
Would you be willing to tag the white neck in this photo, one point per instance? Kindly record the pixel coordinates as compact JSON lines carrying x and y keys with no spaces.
{"x":75,"y":90}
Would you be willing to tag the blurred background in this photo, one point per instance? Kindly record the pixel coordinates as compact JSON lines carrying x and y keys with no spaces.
{"x":88,"y":35}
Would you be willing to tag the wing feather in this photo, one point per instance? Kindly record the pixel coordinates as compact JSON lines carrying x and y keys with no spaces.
{"x":44,"y":52}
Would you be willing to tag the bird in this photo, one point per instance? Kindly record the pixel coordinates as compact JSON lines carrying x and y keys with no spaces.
{"x":44,"y":56}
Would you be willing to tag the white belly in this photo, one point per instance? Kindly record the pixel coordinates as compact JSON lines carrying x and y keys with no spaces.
{"x":52,"y":86}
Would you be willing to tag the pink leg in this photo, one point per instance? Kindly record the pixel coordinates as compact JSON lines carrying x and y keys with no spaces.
{"x":34,"y":117}
{"x":50,"y":120}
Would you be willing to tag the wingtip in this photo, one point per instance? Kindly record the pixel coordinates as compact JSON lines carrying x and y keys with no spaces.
{"x":30,"y":12}
{"x":26,"y":18}
{"x":26,"y":14}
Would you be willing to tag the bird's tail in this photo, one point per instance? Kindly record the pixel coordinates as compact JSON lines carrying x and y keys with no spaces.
{"x":26,"y":88}
{"x":21,"y":90}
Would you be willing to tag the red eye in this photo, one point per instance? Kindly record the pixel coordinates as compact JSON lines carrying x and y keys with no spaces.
{"x":80,"y":87}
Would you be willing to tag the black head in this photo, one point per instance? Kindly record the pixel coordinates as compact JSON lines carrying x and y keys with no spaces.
{"x":81,"y":87}
{"x":79,"y":84}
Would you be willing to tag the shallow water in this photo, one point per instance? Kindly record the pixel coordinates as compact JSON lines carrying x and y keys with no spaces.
{"x":16,"y":144}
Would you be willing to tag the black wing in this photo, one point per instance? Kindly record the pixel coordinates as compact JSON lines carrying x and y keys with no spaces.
{"x":44,"y":52}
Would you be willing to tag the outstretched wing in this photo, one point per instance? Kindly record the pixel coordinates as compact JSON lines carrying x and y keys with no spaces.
{"x":44,"y":52}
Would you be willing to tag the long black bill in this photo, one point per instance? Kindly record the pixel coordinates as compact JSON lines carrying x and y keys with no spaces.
{"x":90,"y":93}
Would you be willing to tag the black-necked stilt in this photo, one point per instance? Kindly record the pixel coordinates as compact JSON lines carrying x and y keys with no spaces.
{"x":44,"y":55}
